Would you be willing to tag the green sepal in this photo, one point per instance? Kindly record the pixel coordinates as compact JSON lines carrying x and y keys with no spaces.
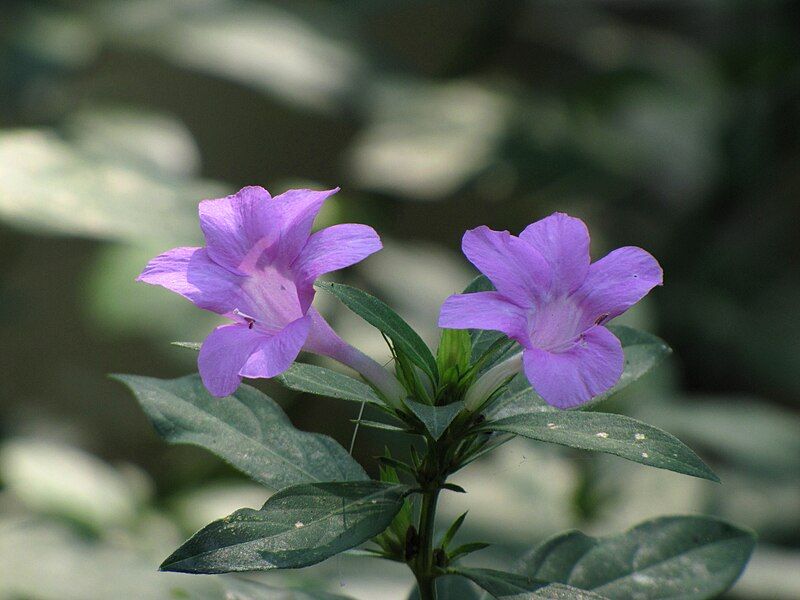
{"x":453,"y":355}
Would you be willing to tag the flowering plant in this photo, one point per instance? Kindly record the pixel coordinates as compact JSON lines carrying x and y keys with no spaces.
{"x":524,"y":351}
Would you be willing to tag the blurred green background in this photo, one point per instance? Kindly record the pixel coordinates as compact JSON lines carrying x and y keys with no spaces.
{"x":670,"y":125}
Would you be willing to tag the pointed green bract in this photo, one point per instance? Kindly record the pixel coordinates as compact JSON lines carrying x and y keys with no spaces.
{"x":312,"y":379}
{"x":452,"y":530}
{"x":609,"y":433}
{"x":690,"y":557}
{"x":435,"y":418}
{"x":453,"y":356}
{"x":468,"y":548}
{"x":378,"y":314}
{"x":248,"y":430}
{"x":299,"y":526}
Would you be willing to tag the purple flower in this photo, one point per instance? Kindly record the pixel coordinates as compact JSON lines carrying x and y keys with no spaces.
{"x":258,"y":269}
{"x":553,"y":302}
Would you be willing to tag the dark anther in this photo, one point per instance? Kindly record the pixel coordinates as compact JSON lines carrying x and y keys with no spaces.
{"x":411,"y":543}
{"x":250,"y":324}
{"x":599,"y":320}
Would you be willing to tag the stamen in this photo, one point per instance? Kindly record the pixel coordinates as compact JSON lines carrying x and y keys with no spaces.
{"x":247,"y":318}
{"x":601,"y":319}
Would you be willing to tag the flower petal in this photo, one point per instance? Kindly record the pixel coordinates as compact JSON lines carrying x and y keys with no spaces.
{"x":617,"y":282}
{"x":483,"y":310}
{"x":234,"y":225}
{"x":516,"y":269}
{"x":272,"y":298}
{"x":275,"y":354}
{"x":223,"y":354}
{"x":192,"y":274}
{"x":335,"y":248}
{"x":295,"y":211}
{"x":572,"y":377}
{"x":564,"y":243}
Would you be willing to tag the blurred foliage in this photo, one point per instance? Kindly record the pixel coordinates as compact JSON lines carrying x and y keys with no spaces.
{"x":673,"y":126}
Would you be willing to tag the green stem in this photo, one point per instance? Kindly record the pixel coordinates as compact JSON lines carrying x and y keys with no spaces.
{"x":424,"y":567}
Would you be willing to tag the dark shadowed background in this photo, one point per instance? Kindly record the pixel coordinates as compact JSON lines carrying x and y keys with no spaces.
{"x":669,"y":125}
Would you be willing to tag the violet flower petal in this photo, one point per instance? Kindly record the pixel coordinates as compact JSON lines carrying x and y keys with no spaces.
{"x":517,"y":269}
{"x":192,"y":274}
{"x":234,"y":225}
{"x":617,"y":282}
{"x":334,"y":248}
{"x":223,"y":354}
{"x":273,"y":299}
{"x":274,"y":354}
{"x":570,"y":377}
{"x":564,"y":243}
{"x":483,"y":310}
{"x":293,"y":213}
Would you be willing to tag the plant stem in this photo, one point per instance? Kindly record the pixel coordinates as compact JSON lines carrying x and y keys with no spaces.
{"x":424,"y":567}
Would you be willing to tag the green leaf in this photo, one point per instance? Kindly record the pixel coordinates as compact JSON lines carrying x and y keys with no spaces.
{"x":454,"y":488}
{"x":381,"y":426}
{"x":468,"y":548}
{"x":502,"y":584}
{"x":311,"y":379}
{"x":519,"y":397}
{"x":248,"y":430}
{"x":247,"y":589}
{"x":610,"y":433}
{"x":378,"y":314}
{"x":670,"y":557}
{"x":452,"y":530}
{"x":435,"y":418}
{"x":299,"y":526}
{"x":643,"y":351}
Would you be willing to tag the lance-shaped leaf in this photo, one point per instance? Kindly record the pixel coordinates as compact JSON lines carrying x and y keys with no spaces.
{"x":325,"y":382}
{"x":248,"y":430}
{"x":247,"y":589}
{"x":610,"y":433}
{"x":435,"y":418}
{"x":502,"y":584}
{"x":690,"y":557}
{"x":643,"y":351}
{"x":378,"y":314}
{"x":299,"y":526}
